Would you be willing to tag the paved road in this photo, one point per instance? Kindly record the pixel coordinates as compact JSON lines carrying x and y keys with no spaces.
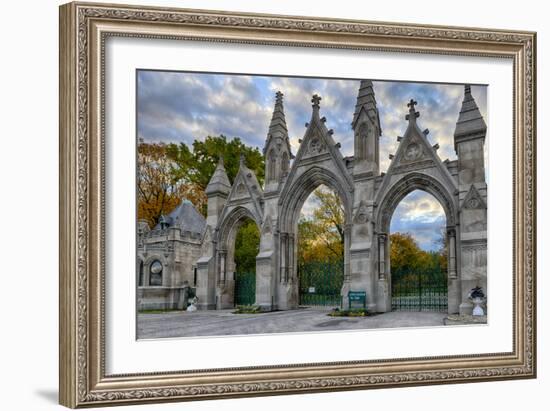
{"x":224,"y":322}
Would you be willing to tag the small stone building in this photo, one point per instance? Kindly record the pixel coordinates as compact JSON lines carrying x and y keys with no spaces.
{"x":166,"y":258}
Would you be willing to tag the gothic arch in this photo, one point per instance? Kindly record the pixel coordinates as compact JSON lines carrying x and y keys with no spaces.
{"x":408,"y":183}
{"x":231,"y":222}
{"x":292,"y":200}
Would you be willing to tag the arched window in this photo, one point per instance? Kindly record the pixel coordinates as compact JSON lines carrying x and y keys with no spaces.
{"x":272,"y":165}
{"x":155,"y":269}
{"x":363,"y":135}
{"x":284,"y":163}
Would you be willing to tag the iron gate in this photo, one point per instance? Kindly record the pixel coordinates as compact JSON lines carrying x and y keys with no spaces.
{"x":321,"y":283}
{"x":424,"y":290}
{"x":245,"y":288}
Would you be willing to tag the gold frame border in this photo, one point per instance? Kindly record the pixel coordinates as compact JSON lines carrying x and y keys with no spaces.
{"x":83,"y":30}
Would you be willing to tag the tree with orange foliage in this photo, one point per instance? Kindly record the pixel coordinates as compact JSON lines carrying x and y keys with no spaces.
{"x":158,"y":190}
{"x":321,"y":235}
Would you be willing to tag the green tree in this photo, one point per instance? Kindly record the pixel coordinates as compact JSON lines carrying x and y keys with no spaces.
{"x":198,"y":165}
{"x":247,"y":246}
{"x":321,"y":236}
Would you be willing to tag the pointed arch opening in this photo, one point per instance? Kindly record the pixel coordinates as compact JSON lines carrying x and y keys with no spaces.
{"x":320,"y":249}
{"x":418,"y":254}
{"x":239,"y":241}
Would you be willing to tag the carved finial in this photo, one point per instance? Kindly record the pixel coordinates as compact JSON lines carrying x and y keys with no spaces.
{"x":316,"y":99}
{"x":467,"y":89}
{"x":279,"y":96}
{"x":242,"y":160}
{"x":413,"y":114}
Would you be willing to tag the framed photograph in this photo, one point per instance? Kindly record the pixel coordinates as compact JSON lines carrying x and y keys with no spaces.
{"x":259,"y":204}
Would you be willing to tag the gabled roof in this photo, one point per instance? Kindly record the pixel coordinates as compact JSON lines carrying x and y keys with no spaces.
{"x":186,"y":217}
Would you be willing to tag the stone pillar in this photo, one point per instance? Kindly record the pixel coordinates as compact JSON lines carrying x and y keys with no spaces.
{"x":221,"y":267}
{"x":225,"y":287}
{"x":383,"y":277}
{"x":382,"y":256}
{"x":451,"y":252}
{"x":287,"y":288}
{"x":266,"y":274}
{"x":454,"y":294}
{"x":347,"y":243}
{"x":291,"y":273}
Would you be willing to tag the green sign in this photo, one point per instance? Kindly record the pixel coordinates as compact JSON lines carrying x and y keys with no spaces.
{"x":357,"y":296}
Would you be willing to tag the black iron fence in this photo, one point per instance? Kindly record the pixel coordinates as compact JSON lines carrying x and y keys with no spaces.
{"x":415,"y":290}
{"x":321,"y":283}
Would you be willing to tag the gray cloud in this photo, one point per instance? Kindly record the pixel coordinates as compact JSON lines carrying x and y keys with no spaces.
{"x":182,"y":107}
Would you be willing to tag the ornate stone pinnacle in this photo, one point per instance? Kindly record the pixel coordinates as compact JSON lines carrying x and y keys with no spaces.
{"x":413,"y":114}
{"x":242,"y":160}
{"x":316,"y":99}
{"x":279,"y":96}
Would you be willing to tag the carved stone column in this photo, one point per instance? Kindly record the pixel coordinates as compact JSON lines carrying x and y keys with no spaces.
{"x":347,"y":254}
{"x":222,"y":254}
{"x":382,"y":240}
{"x":290,"y":274}
{"x":451,"y":252}
{"x":283,"y":277}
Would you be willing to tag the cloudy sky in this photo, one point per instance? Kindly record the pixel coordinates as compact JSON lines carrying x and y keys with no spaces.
{"x":182,"y":107}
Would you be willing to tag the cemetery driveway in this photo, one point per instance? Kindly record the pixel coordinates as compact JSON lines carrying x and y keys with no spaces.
{"x":224,"y":322}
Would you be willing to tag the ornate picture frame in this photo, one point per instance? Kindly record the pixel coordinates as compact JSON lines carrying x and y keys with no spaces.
{"x":84,"y":30}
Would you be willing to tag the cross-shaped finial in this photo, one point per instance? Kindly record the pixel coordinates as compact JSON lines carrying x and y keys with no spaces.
{"x":413,"y":114}
{"x":316,"y":99}
{"x":278,"y":96}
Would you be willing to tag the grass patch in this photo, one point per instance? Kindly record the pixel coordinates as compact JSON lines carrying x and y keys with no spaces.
{"x":159,"y":311}
{"x":355,"y":312}
{"x":248,"y":309}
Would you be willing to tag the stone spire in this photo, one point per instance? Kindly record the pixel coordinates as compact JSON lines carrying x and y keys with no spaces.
{"x":277,"y":128}
{"x":470,"y":123}
{"x":277,"y":149}
{"x":367,"y":132}
{"x":366,"y":101}
{"x":219,"y":183}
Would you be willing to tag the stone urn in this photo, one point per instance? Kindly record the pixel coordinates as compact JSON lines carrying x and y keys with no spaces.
{"x":477,"y":297}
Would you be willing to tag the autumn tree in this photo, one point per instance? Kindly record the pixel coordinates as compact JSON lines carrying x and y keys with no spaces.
{"x":407,"y":257}
{"x":159,"y":189}
{"x":321,"y":235}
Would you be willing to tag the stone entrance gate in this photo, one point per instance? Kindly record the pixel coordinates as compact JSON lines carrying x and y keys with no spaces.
{"x":369,"y":199}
